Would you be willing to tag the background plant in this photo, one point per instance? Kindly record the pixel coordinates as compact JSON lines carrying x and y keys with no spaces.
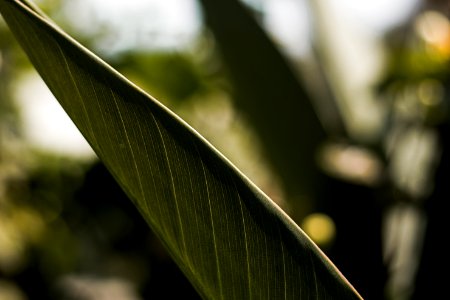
{"x":354,"y":257}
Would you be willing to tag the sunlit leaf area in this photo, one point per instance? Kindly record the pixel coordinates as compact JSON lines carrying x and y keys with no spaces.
{"x":337,"y":110}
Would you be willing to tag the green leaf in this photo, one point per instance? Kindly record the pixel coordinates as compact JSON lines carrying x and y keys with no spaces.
{"x":230,"y":240}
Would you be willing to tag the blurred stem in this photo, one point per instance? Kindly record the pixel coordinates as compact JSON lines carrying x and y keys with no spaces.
{"x":323,"y":50}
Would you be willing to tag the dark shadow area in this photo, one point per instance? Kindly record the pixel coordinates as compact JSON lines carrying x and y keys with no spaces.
{"x":98,"y":242}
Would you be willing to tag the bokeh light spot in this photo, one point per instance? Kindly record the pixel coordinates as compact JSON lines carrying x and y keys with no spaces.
{"x":320,"y":228}
{"x":431,"y":92}
{"x":434,"y":28}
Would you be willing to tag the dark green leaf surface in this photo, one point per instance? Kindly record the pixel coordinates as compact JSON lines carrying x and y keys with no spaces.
{"x":230,"y":240}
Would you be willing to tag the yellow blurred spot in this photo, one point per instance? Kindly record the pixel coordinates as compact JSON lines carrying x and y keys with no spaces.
{"x":434,"y":28}
{"x":320,"y":228}
{"x":9,"y":291}
{"x":12,"y":247}
{"x":18,"y":227}
{"x":29,"y":223}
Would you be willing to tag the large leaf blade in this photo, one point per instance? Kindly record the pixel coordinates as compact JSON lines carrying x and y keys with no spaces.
{"x":230,"y":240}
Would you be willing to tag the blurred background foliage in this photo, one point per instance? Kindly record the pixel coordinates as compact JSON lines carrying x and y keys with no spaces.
{"x":346,"y":130}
